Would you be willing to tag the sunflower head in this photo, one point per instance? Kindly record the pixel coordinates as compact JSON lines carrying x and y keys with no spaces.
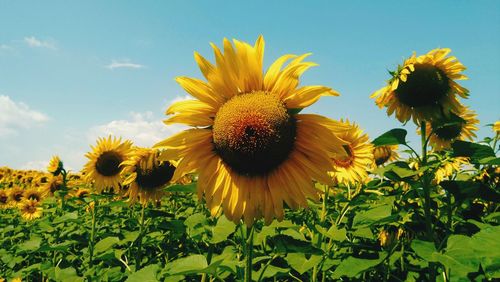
{"x":30,"y":209}
{"x":55,"y":166}
{"x":103,"y":167}
{"x":385,"y":153}
{"x":446,"y":130}
{"x":4,"y":199}
{"x":35,"y":194}
{"x":16,"y":194}
{"x":423,"y":87}
{"x":353,"y":166}
{"x":448,"y":167}
{"x":496,"y":127}
{"x":254,"y":153}
{"x":55,"y":183}
{"x":146,"y":175}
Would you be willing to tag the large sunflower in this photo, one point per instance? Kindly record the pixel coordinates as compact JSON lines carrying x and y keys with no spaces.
{"x":352,"y":167}
{"x":252,"y":149}
{"x":146,"y":175}
{"x":30,"y":209}
{"x":104,"y":162}
{"x":446,"y":130}
{"x":424,"y":87}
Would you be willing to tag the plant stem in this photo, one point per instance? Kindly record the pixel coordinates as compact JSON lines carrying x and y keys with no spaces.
{"x":319,"y":237}
{"x":249,"y":254}
{"x":92,"y":234}
{"x":139,"y":240}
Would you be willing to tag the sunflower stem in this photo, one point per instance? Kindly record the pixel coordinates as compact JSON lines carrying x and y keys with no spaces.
{"x":249,"y":254}
{"x":139,"y":240}
{"x":319,"y":237}
{"x":92,"y":234}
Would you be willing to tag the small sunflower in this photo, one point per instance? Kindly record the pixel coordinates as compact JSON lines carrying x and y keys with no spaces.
{"x":104,"y":162}
{"x":55,"y":166}
{"x":35,"y":194}
{"x":30,"y":209}
{"x":16,"y":194}
{"x":146,"y":175}
{"x":81,"y":193}
{"x":55,"y":183}
{"x":251,"y":148}
{"x":352,"y":167}
{"x":496,"y":127}
{"x":424,"y":87}
{"x":445,"y":131}
{"x":4,"y":199}
{"x":448,"y":167}
{"x":385,"y":153}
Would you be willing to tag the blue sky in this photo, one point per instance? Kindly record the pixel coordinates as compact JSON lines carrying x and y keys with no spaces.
{"x":72,"y":71}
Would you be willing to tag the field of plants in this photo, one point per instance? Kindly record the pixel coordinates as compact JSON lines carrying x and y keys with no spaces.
{"x":257,"y":190}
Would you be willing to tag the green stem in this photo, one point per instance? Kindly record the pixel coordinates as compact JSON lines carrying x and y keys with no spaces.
{"x":92,"y":234}
{"x":249,"y":254}
{"x":319,"y":237}
{"x":139,"y":240}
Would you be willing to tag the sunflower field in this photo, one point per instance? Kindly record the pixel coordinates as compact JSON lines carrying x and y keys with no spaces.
{"x":256,"y":190}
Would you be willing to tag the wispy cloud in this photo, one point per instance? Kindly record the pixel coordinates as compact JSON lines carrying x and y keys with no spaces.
{"x":125,"y":64}
{"x":15,"y":115}
{"x":37,"y":43}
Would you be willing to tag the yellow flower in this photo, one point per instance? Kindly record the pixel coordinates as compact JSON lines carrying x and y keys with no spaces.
{"x":104,"y":162}
{"x":445,"y":131}
{"x":4,"y":199}
{"x":424,"y":87}
{"x":448,"y":167}
{"x":16,"y":195}
{"x":30,"y":209}
{"x":383,"y":154}
{"x":252,"y":149}
{"x":35,"y":194}
{"x":146,"y":175}
{"x":55,"y":166}
{"x":352,"y":167}
{"x":496,"y":127}
{"x":54,"y":183}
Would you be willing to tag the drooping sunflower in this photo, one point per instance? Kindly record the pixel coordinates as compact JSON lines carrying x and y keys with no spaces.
{"x":104,"y":162}
{"x":424,"y":87}
{"x":146,"y":175}
{"x":353,"y":166}
{"x":4,"y":199}
{"x":251,"y":148}
{"x":16,"y":194}
{"x":54,"y":184}
{"x":385,"y":153}
{"x":30,"y":209}
{"x":448,"y":167}
{"x":35,"y":193}
{"x":55,"y":166}
{"x":446,"y":130}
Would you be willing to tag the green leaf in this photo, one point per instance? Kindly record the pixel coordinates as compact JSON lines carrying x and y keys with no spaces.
{"x":188,"y":188}
{"x":352,"y":266}
{"x":146,"y":274}
{"x":67,"y":274}
{"x":32,"y":244}
{"x":424,"y":249}
{"x":105,"y":244}
{"x":270,"y":271}
{"x":287,"y":244}
{"x":67,"y":217}
{"x":187,"y":265}
{"x":222,"y":230}
{"x":371,"y":216}
{"x":476,"y":152}
{"x":392,"y":137}
{"x":299,"y":262}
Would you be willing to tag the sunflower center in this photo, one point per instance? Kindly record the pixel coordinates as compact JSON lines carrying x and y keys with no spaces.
{"x":253,"y":133}
{"x":450,"y":128}
{"x":424,"y":87}
{"x":34,"y":197}
{"x":31,"y":209}
{"x":108,"y":163}
{"x":156,"y":177}
{"x":345,"y":161}
{"x":3,"y":199}
{"x":381,"y":155}
{"x":18,"y":196}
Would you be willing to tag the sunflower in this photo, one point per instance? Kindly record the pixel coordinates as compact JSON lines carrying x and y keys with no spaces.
{"x":496,"y":127}
{"x":30,"y":209}
{"x":445,"y":131}
{"x":35,"y":194}
{"x":104,"y":162}
{"x":251,"y":148}
{"x":55,"y":166}
{"x":16,"y":194}
{"x":81,"y":193}
{"x":146,"y":175}
{"x":352,"y":167}
{"x":424,"y":87}
{"x":385,"y":153}
{"x":55,"y":183}
{"x":4,"y":199}
{"x":449,"y":167}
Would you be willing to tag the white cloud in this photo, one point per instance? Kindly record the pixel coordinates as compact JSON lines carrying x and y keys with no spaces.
{"x":35,"y":165}
{"x":15,"y":115}
{"x":142,"y":128}
{"x":34,"y":42}
{"x":127,"y":64}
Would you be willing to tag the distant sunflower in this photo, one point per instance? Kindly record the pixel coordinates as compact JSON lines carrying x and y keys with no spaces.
{"x":35,"y":194}
{"x":16,"y":194}
{"x":30,"y":209}
{"x":55,"y":166}
{"x":449,"y":167}
{"x":386,"y":153}
{"x":104,"y":162}
{"x":252,"y":150}
{"x":352,"y":167}
{"x":496,"y":127}
{"x":424,"y":87}
{"x":81,"y":193}
{"x":55,"y":183}
{"x":459,"y":126}
{"x":146,"y":175}
{"x":4,"y":199}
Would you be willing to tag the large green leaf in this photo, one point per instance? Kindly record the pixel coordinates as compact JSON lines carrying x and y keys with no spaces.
{"x":371,"y":216}
{"x":394,"y":136}
{"x":476,"y":152}
{"x":188,"y":188}
{"x":300,"y":263}
{"x":187,"y":265}
{"x":105,"y":244}
{"x":424,"y":249}
{"x":32,"y":244}
{"x":146,"y":274}
{"x":352,"y":266}
{"x":222,"y":230}
{"x":67,"y":274}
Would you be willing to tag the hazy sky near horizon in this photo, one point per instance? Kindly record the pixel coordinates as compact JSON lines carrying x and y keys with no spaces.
{"x":71,"y":71}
